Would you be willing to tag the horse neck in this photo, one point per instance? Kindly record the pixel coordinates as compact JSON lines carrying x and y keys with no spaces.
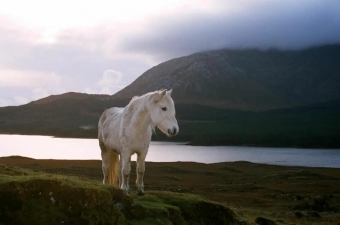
{"x":141,"y":117}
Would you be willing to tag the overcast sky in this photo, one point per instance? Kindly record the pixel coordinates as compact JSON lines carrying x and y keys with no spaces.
{"x":99,"y":47}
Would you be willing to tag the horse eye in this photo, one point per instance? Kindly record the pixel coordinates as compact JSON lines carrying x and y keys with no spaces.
{"x":164,"y":108}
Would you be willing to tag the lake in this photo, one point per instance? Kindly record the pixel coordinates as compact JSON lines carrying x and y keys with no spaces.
{"x":44,"y":147}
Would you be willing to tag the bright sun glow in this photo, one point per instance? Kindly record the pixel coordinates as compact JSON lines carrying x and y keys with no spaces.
{"x":50,"y":17}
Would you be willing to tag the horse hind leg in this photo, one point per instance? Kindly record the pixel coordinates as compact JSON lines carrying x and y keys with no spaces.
{"x":113,"y":170}
{"x":110,"y":161}
{"x":125,"y":172}
{"x":105,"y":162}
{"x":120,"y":180}
{"x":140,"y":169}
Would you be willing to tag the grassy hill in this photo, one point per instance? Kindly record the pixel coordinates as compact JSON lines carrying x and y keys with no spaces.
{"x":33,"y":197}
{"x":282,"y":195}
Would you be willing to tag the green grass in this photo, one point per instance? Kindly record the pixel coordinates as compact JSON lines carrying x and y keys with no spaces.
{"x":34,"y":197}
{"x":178,"y":208}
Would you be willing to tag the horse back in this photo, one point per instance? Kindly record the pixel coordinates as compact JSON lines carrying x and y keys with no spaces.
{"x":109,"y":124}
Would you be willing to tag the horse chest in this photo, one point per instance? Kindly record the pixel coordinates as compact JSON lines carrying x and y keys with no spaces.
{"x":136,"y":140}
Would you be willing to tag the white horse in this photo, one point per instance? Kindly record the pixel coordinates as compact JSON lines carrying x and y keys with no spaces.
{"x":125,"y":131}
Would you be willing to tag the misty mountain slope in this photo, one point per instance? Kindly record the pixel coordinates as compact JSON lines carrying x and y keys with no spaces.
{"x":246,"y":79}
{"x":224,"y":97}
{"x":56,"y":107}
{"x":70,"y":96}
{"x":69,"y":114}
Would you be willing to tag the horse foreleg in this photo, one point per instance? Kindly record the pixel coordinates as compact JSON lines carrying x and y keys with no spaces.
{"x":140,"y":169}
{"x":120,"y":174}
{"x":125,"y":171}
{"x":105,"y":165}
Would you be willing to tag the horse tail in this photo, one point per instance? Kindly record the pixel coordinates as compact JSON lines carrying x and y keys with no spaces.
{"x":113,"y":171}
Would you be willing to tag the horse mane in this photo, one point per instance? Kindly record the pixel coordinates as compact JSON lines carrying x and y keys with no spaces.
{"x":149,"y":93}
{"x":136,"y":98}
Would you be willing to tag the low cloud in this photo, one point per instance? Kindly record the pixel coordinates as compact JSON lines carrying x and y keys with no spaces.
{"x":28,"y":79}
{"x":5,"y":102}
{"x":264,"y":24}
{"x":39,"y":93}
{"x":20,"y":100}
{"x":111,"y":82}
{"x":16,"y":100}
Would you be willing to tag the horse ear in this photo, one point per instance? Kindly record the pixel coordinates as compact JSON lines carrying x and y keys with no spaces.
{"x":163,"y":93}
{"x":158,"y":95}
{"x":169,"y":92}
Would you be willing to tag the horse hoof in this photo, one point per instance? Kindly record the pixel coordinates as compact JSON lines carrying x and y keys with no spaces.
{"x":125,"y":192}
{"x":140,"y":193}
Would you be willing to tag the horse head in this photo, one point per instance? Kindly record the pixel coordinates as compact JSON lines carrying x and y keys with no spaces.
{"x":162,"y":112}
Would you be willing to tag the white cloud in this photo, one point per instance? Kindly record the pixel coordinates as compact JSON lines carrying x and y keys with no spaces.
{"x":28,"y":79}
{"x":88,"y":13}
{"x":110,"y":78}
{"x":106,"y":91}
{"x":90,"y":90}
{"x":39,"y":93}
{"x":52,"y":17}
{"x":111,"y":82}
{"x":20,"y":100}
{"x":16,"y":100}
{"x":5,"y":102}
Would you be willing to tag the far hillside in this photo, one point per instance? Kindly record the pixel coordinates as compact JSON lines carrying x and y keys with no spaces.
{"x":223,"y":97}
{"x":249,"y":80}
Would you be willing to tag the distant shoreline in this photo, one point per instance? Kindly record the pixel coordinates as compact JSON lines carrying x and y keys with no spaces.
{"x":196,"y":142}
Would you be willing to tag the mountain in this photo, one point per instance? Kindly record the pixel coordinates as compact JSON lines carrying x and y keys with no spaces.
{"x":223,"y":97}
{"x":311,"y":126}
{"x":250,"y":79}
{"x":70,"y":96}
{"x":69,"y":114}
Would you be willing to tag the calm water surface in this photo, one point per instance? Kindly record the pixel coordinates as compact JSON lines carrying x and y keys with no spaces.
{"x":43,"y":147}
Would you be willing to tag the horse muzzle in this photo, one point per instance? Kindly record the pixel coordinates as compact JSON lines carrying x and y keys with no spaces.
{"x":173,"y":132}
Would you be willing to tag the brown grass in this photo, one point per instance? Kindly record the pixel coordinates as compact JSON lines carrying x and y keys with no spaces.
{"x":275,"y":192}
